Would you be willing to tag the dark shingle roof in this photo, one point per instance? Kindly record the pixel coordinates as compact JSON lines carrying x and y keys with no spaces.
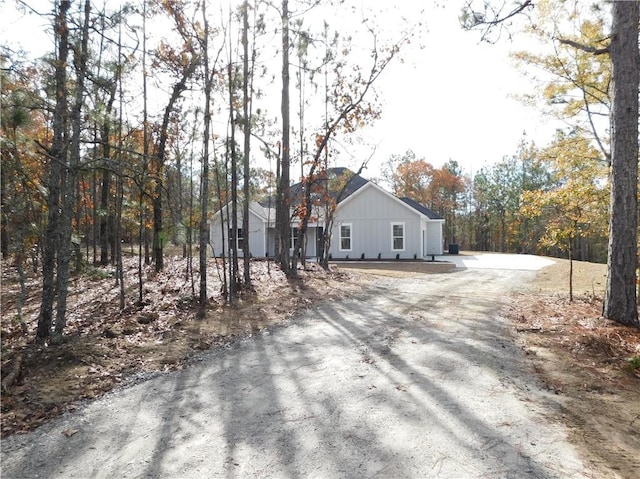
{"x":355,"y":182}
{"x":422,"y":209}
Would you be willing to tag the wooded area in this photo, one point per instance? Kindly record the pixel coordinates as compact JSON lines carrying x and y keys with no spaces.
{"x":149,"y":118}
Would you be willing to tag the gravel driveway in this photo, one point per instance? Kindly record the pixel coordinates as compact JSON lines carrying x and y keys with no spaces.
{"x":417,"y":377}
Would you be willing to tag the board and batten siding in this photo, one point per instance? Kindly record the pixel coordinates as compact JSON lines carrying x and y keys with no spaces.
{"x":257,"y":247}
{"x":371,"y":214}
{"x":434,"y":245}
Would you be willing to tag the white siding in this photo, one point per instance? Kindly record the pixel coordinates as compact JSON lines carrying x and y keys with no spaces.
{"x":434,"y":238}
{"x":261,"y":243}
{"x":371,"y":213}
{"x":256,"y":234}
{"x":271,"y":242}
{"x":310,"y":240}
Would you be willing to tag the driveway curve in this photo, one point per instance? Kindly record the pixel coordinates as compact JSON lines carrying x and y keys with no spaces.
{"x":414,"y":377}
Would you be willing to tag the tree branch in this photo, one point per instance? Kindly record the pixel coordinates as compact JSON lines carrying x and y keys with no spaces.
{"x":472,"y":19}
{"x":584,"y":48}
{"x":519,"y":9}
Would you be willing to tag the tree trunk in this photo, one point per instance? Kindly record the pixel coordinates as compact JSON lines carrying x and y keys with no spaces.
{"x":158,"y":240}
{"x":105,"y":186}
{"x":204,"y":182}
{"x":190,"y":275}
{"x":159,"y":159}
{"x":282,"y":194}
{"x":106,"y":216}
{"x":4,"y":219}
{"x":571,"y":240}
{"x":231,"y":151}
{"x":224,"y":223}
{"x":57,"y":157}
{"x":620,"y":297}
{"x":119,"y":179}
{"x":503,"y":232}
{"x":70,"y":196}
{"x":247,"y":143}
{"x":142,"y":230}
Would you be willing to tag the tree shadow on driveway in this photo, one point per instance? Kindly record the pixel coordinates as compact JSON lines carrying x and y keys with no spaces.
{"x":414,"y":378}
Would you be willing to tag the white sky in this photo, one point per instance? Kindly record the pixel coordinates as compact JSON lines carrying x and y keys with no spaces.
{"x":451,"y":99}
{"x":454,"y":99}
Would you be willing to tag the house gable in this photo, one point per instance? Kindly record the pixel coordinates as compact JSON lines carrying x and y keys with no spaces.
{"x":255,"y":209}
{"x":257,"y":230}
{"x":413,"y":206}
{"x":379,"y":226}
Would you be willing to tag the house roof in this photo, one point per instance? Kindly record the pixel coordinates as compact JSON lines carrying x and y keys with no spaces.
{"x":432,"y":215}
{"x":264,"y":212}
{"x":354,"y":184}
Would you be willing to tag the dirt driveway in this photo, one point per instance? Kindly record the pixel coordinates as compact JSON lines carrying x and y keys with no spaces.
{"x":415,"y":377}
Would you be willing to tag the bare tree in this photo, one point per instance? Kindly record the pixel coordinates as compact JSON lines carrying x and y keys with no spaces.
{"x":119,"y":178}
{"x":350,"y":109}
{"x":185,"y":66}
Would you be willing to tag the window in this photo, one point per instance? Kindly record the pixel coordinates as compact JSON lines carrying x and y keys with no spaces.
{"x":239,"y":239}
{"x":397,"y":236}
{"x":345,"y":237}
{"x":295,"y":232}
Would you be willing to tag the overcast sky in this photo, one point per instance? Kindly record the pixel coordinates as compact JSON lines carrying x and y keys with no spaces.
{"x":452,"y":98}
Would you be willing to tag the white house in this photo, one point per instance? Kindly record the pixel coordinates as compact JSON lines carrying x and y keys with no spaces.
{"x":369,"y":222}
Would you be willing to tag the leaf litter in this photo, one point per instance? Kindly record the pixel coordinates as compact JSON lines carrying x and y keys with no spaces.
{"x":586,"y":362}
{"x":103,"y":345}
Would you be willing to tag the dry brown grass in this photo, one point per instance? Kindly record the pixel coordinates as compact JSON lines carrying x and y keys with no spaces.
{"x":589,"y":279}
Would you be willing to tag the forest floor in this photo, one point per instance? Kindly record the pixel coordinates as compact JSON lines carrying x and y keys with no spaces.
{"x":591,"y":364}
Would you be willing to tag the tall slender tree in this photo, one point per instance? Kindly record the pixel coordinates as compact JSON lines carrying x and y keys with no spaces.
{"x":56,"y":158}
{"x":106,"y":216}
{"x":142,"y":236}
{"x":204,"y":182}
{"x":185,"y":64}
{"x":119,"y":178}
{"x":620,"y":301}
{"x":283,"y":201}
{"x":346,"y":109}
{"x":71,"y":177}
{"x":232,"y":161}
{"x":246,"y":126}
